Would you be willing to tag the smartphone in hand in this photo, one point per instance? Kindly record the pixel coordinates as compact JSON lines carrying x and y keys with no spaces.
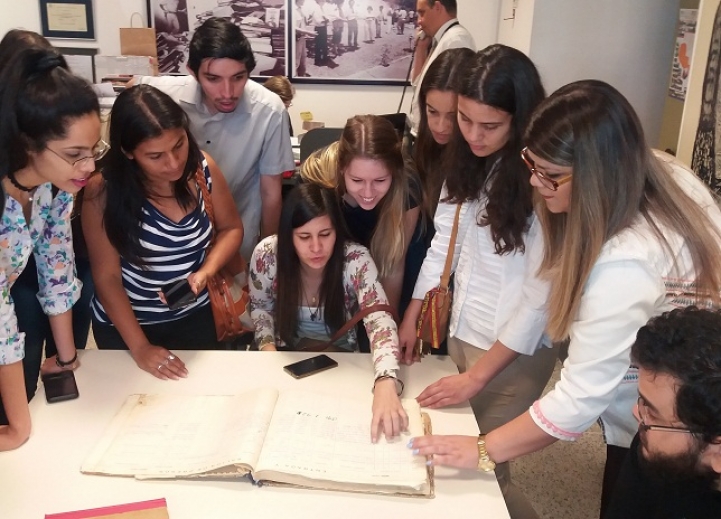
{"x":311,"y":366}
{"x":178,"y":294}
{"x":60,"y":386}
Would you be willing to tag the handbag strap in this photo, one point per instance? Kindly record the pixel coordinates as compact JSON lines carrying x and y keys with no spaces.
{"x":207,"y":200}
{"x":381,"y":307}
{"x":446,"y":276}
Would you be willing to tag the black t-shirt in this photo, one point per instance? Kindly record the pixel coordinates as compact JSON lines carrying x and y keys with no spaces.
{"x":361,"y":222}
{"x":637,"y":497}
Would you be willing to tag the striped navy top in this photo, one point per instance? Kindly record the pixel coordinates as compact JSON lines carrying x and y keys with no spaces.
{"x":173,"y":252}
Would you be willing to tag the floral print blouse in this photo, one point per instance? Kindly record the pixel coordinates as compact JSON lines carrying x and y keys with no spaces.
{"x":48,"y":236}
{"x":362,"y":289}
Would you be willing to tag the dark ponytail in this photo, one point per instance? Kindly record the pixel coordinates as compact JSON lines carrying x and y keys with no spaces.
{"x":39,"y":96}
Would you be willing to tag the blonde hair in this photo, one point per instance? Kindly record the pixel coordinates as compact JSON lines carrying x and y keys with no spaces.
{"x":321,"y":167}
{"x":281,"y":86}
{"x":373,"y":137}
{"x":591,"y":127}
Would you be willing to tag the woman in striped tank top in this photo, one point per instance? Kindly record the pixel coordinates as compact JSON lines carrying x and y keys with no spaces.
{"x":147,"y":226}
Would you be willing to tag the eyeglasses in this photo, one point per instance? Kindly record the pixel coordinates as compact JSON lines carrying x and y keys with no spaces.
{"x":100,"y":149}
{"x":643,"y":413}
{"x":545,"y":180}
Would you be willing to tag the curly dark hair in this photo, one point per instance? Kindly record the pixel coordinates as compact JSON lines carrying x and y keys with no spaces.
{"x":506,"y":79}
{"x":686,"y":344}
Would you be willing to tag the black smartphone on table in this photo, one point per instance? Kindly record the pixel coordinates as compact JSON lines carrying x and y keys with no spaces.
{"x":178,"y":294}
{"x":311,"y":366}
{"x":60,"y":386}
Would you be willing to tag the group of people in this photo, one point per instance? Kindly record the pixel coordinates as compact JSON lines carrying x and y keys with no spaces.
{"x":569,"y":228}
{"x":346,"y":20}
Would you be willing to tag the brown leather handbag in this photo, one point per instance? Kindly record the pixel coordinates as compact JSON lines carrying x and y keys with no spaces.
{"x":432,"y":325}
{"x":317,"y":345}
{"x":228,"y":289}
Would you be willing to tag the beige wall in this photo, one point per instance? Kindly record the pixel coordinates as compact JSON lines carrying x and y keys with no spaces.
{"x":692,"y":107}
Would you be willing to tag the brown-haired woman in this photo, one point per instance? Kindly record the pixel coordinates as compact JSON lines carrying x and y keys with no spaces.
{"x":438,"y":103}
{"x":628,"y":234}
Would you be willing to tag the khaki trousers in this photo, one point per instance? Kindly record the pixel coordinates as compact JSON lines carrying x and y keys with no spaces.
{"x":507,"y":396}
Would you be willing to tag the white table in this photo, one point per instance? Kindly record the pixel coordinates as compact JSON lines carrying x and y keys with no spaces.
{"x":43,"y":476}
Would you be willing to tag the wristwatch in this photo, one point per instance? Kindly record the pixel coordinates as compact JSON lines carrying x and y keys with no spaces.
{"x":485,"y":463}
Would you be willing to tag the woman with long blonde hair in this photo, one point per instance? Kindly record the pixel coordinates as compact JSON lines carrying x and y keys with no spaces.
{"x":629,"y":234}
{"x":380,"y":198}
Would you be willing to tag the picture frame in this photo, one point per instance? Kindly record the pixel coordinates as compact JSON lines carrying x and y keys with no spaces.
{"x":71,"y":19}
{"x":263,"y":22}
{"x":369,"y":42}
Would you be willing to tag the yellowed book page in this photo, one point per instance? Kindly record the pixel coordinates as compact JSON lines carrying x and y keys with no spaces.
{"x":166,"y":436}
{"x":325,"y":437}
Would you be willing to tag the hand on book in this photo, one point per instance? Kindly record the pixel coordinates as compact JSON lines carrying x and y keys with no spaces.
{"x":452,"y":451}
{"x":159,"y":362}
{"x":389,"y":417}
{"x":448,"y":391}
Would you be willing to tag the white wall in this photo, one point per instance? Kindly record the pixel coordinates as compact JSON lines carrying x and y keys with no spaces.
{"x":692,"y":105}
{"x":515,"y":27}
{"x":628,"y":44}
{"x":109,"y":16}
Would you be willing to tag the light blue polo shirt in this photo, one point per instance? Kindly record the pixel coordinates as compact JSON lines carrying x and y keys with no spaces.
{"x":251,"y":141}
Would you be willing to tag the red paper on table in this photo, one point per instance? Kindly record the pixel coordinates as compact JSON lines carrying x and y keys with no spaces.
{"x":155,"y":509}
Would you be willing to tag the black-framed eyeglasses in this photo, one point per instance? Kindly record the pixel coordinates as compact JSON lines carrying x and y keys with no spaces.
{"x":643,"y":413}
{"x":100,"y":149}
{"x":545,"y":180}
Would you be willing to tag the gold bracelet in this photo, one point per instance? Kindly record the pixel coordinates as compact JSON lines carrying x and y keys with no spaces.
{"x":485,"y":463}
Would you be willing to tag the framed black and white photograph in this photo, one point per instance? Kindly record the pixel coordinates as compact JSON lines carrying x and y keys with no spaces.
{"x":67,"y":19}
{"x":263,"y":22}
{"x":352,"y":41}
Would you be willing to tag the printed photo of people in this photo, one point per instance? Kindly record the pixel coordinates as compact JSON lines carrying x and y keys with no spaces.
{"x":263,"y":22}
{"x":363,"y":40}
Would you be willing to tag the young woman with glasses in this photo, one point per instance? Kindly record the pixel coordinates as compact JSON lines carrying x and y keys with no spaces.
{"x":32,"y":320}
{"x":628,"y":234}
{"x":149,"y":227}
{"x":494,"y":249}
{"x":49,"y":134}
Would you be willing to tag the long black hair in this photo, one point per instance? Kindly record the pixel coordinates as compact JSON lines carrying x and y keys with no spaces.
{"x":304,"y":203}
{"x":443,"y":75}
{"x":506,"y":79}
{"x":140,"y":113}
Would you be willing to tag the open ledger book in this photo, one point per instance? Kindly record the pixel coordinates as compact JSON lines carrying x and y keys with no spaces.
{"x":299,"y":438}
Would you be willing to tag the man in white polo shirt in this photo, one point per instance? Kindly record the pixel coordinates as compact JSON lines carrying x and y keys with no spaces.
{"x":441,"y":31}
{"x":240,"y":123}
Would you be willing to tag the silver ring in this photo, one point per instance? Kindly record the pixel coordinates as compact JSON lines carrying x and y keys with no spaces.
{"x":171,"y":357}
{"x":160,"y":366}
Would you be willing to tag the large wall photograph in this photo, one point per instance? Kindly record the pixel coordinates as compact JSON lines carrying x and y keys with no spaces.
{"x":262,"y":21}
{"x":352,"y":41}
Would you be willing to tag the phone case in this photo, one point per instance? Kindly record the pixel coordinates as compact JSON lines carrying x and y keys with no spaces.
{"x":60,"y":386}
{"x":311,"y":366}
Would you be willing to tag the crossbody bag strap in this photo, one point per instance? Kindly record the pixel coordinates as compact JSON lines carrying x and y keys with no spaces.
{"x":207,"y":200}
{"x":446,"y":276}
{"x":360,"y":315}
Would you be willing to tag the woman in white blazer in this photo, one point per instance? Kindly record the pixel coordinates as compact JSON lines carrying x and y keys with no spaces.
{"x":628,"y":234}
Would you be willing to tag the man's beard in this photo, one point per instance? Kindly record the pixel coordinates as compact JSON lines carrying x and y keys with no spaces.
{"x":679,"y":470}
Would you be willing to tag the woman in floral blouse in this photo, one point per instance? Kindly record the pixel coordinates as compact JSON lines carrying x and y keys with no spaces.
{"x":307,"y":281}
{"x":49,"y":135}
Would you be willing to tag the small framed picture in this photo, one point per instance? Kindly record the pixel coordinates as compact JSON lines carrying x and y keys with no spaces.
{"x":67,"y":19}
